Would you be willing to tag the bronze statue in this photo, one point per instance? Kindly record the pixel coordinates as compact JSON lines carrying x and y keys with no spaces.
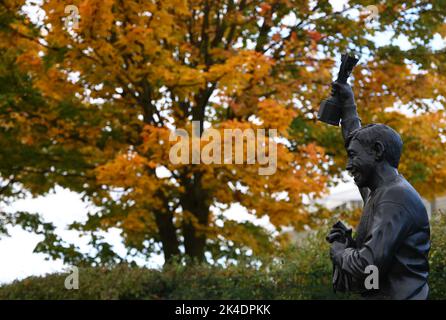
{"x":393,"y":233}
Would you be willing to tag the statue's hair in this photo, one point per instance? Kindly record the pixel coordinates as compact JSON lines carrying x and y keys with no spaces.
{"x":368,"y":135}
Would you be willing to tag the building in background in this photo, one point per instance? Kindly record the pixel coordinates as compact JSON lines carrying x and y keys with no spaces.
{"x":350,"y":199}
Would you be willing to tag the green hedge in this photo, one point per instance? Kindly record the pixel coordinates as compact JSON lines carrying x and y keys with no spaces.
{"x":437,"y":257}
{"x":301,"y":273}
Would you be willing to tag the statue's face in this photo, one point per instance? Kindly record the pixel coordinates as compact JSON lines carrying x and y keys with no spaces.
{"x":361,"y":163}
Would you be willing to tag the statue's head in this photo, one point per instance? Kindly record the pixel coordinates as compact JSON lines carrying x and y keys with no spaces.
{"x":370,"y":148}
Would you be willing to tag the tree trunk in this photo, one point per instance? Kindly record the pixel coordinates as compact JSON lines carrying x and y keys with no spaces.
{"x":194,"y":201}
{"x":166,"y":230}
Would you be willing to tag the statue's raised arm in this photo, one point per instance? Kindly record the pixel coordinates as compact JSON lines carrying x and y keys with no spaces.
{"x":350,"y":122}
{"x":341,"y":107}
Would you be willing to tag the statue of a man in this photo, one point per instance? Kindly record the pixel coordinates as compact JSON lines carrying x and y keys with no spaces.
{"x":393,"y":233}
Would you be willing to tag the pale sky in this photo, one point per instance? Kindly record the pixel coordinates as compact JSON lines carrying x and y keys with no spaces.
{"x":63,"y":207}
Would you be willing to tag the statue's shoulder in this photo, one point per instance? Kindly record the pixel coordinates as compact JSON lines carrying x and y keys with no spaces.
{"x":399,"y":190}
{"x":402,"y":193}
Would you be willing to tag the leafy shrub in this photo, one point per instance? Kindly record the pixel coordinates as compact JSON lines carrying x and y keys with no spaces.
{"x":303,"y":272}
{"x":437,"y":258}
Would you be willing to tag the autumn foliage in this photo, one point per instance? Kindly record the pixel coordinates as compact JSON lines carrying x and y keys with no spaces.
{"x":92,"y":108}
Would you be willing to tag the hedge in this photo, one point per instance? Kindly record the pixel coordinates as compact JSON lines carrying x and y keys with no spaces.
{"x":302,"y":272}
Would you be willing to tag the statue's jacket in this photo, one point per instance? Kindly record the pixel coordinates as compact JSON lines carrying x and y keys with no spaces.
{"x":393,"y":235}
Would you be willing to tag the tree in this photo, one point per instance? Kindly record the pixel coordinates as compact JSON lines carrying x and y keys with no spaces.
{"x":109,"y":94}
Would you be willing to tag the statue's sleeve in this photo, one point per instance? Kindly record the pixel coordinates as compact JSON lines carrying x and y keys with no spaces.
{"x":349,"y":124}
{"x":351,"y":121}
{"x":390,"y":226}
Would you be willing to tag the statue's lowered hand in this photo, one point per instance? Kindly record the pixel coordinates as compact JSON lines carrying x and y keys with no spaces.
{"x":339,"y":232}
